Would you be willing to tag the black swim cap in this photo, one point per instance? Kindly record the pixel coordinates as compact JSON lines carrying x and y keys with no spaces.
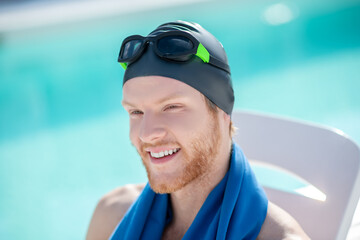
{"x":211,"y":81}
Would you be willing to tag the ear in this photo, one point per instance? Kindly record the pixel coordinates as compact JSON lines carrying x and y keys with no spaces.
{"x":226,"y":117}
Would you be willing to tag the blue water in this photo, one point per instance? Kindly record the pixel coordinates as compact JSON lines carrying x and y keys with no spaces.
{"x":64,"y":137}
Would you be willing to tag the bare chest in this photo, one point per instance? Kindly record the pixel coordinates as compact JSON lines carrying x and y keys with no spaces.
{"x":171,"y":233}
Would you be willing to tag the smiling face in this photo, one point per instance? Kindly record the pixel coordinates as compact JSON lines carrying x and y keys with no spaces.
{"x":173,"y":130}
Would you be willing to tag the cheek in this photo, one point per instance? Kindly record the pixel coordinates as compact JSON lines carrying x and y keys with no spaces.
{"x":179,"y":123}
{"x":187,"y":124}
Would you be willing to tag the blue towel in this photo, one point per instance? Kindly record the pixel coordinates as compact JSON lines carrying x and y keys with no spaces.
{"x":235,"y":209}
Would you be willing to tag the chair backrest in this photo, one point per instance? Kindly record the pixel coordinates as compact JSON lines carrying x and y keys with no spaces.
{"x":324,"y":157}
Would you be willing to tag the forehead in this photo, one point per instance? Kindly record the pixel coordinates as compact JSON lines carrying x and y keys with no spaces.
{"x":153,"y":88}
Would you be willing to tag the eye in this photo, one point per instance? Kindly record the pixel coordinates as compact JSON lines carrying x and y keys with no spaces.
{"x":171,"y":107}
{"x":135,"y":112}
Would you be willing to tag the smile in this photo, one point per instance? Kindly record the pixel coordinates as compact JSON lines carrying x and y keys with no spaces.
{"x":164,"y":153}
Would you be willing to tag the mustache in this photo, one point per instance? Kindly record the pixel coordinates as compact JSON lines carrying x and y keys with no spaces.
{"x":142,"y":146}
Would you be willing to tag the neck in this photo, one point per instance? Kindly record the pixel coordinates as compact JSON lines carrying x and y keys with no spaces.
{"x":187,"y":201}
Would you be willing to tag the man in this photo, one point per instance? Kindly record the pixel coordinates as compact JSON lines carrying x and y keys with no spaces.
{"x":178,"y":94}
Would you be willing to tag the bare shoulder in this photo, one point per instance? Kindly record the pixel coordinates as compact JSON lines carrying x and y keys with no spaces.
{"x":280,"y":225}
{"x":110,"y":209}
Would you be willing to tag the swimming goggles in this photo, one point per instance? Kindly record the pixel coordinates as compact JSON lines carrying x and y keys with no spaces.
{"x":175,"y":45}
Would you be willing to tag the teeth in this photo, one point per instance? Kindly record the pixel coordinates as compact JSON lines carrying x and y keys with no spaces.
{"x":164,"y":153}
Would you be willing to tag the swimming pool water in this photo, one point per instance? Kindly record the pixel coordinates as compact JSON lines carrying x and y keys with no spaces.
{"x":64,"y":137}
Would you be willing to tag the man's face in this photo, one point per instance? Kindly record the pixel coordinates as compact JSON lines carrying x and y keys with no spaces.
{"x":172,"y":129}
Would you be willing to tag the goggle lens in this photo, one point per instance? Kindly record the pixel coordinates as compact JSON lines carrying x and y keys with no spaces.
{"x":131,"y":48}
{"x":174,"y":45}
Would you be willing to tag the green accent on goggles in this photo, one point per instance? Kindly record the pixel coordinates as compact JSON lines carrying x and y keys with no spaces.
{"x":124,"y":65}
{"x":203,"y":53}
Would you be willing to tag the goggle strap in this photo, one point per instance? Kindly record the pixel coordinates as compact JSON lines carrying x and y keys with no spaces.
{"x":124,"y":65}
{"x":203,"y":53}
{"x":205,"y":56}
{"x":217,"y":63}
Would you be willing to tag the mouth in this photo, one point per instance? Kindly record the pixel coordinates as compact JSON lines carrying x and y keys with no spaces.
{"x":163,"y":156}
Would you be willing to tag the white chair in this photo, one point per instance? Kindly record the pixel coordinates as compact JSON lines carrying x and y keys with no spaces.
{"x":324,"y":157}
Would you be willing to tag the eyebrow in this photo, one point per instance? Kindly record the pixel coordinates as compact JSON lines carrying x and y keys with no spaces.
{"x":162,"y":100}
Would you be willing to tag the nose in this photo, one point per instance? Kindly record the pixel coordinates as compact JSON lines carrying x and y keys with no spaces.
{"x":151,"y":129}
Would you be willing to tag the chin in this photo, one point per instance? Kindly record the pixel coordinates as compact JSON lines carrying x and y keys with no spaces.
{"x":166,"y":188}
{"x":172,"y":183}
{"x":163,"y":188}
{"x":166,"y":185}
